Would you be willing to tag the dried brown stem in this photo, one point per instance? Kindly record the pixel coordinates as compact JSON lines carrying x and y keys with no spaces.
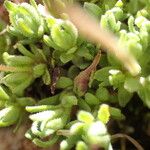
{"x":55,"y":76}
{"x":7,"y":68}
{"x":133,"y":141}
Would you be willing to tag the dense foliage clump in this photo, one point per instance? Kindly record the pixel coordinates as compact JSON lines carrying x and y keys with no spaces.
{"x":68,"y":87}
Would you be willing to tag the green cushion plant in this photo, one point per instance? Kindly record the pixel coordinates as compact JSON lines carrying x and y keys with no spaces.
{"x":86,"y":87}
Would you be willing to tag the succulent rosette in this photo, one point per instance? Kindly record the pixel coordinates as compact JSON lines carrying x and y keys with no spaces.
{"x":25,"y":20}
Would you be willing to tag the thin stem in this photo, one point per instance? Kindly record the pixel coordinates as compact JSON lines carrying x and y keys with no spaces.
{"x":123,"y":144}
{"x":6,"y":68}
{"x":133,"y":141}
{"x":19,"y":122}
{"x":63,"y":132}
{"x":14,"y":69}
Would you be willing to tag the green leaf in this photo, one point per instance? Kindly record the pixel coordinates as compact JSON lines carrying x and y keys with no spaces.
{"x":48,"y":41}
{"x":14,"y":78}
{"x":116,"y":113}
{"x":46,"y":77}
{"x":69,"y":100}
{"x":69,"y":142}
{"x":35,"y":109}
{"x":80,"y":62}
{"x":3,"y":94}
{"x":9,"y":116}
{"x":132,"y":84}
{"x":19,"y":89}
{"x":91,"y":99}
{"x":64,"y":82}
{"x":73,"y":72}
{"x":55,"y":124}
{"x":17,"y":61}
{"x":66,"y":57}
{"x":116,"y":78}
{"x":45,"y":115}
{"x":93,"y":9}
{"x":85,"y":117}
{"x":144,"y":94}
{"x":29,"y":134}
{"x":77,"y":128}
{"x":46,"y":144}
{"x":81,"y":146}
{"x":102,"y":74}
{"x":113,"y":60}
{"x":103,"y":113}
{"x":64,"y":34}
{"x":25,"y":30}
{"x":83,"y":105}
{"x":49,"y":100}
{"x":24,"y":51}
{"x":102,"y":94}
{"x":25,"y":101}
{"x":84,"y":52}
{"x":10,"y":6}
{"x":39,"y":70}
{"x":124,"y":96}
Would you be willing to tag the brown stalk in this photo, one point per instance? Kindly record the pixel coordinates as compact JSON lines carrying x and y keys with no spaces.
{"x":55,"y":76}
{"x":7,"y":68}
{"x":133,"y":141}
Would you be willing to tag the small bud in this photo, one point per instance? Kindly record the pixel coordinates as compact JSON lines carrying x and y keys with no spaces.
{"x":64,"y":34}
{"x":103,"y":113}
{"x":85,"y":117}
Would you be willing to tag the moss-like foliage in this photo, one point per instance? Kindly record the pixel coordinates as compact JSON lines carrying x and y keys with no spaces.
{"x":68,"y":87}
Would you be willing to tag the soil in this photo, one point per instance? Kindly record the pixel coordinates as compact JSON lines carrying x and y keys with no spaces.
{"x":17,"y":141}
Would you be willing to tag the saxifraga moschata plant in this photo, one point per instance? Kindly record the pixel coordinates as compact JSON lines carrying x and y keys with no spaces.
{"x":70,"y":88}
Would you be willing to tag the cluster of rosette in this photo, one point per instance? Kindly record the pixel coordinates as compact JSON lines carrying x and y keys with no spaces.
{"x":38,"y":44}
